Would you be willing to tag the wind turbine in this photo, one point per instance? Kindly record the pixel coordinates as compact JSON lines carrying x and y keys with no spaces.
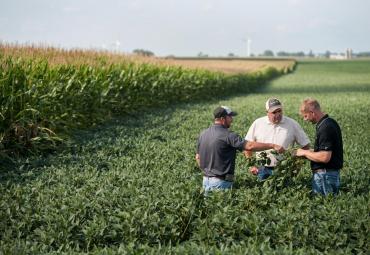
{"x":117,"y":44}
{"x":249,"y":42}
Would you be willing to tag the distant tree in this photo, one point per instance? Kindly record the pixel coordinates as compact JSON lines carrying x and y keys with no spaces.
{"x":143,"y":52}
{"x":282,"y":54}
{"x":231,"y":55}
{"x":363,"y":54}
{"x":202,"y":55}
{"x":327,"y":54}
{"x":300,"y":54}
{"x":268,"y":53}
{"x":310,"y":54}
{"x":171,"y":56}
{"x":290,"y":54}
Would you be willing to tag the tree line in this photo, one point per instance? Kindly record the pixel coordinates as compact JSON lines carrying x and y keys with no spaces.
{"x":266,"y":53}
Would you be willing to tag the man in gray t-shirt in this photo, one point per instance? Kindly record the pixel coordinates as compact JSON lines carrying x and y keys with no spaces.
{"x":216,"y":150}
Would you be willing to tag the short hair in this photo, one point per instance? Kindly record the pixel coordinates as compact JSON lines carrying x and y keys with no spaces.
{"x":310,"y":104}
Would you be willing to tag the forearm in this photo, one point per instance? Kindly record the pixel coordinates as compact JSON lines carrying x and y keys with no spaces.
{"x":319,"y":156}
{"x":256,"y":146}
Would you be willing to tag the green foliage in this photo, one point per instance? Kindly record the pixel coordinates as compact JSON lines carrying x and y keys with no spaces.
{"x":131,"y":186}
{"x":261,"y":160}
{"x":40,"y":103}
{"x":285,"y":172}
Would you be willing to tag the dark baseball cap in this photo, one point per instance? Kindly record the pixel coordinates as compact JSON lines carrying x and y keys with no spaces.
{"x":223,"y":111}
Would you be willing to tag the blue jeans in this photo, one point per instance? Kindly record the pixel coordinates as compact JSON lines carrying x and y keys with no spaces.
{"x":213,"y":183}
{"x":264,"y":172}
{"x":325,"y":183}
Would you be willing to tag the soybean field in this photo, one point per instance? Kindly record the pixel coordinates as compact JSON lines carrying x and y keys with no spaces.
{"x":131,"y":184}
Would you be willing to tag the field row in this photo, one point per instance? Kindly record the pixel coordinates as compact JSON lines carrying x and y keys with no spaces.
{"x":41,"y":101}
{"x":132,"y":184}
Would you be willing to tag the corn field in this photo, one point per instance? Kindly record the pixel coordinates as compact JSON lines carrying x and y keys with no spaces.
{"x":45,"y":94}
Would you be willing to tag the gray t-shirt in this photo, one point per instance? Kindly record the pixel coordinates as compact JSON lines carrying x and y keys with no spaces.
{"x":217,"y":148}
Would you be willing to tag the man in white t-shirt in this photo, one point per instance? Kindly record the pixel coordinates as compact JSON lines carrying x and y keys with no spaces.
{"x":278,"y":129}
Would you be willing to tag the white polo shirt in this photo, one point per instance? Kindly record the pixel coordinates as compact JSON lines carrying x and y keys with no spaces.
{"x":286,"y":133}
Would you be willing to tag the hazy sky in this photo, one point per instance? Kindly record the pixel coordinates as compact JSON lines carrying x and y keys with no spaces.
{"x":187,"y":27}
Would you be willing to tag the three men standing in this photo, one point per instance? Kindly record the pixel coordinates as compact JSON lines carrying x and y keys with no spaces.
{"x":217,"y":146}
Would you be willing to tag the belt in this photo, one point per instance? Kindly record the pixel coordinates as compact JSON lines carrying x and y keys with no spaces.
{"x":227,"y":177}
{"x":324,"y":170}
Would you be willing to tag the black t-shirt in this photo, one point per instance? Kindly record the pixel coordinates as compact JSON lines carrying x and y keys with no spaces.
{"x":329,"y":138}
{"x":217,"y":148}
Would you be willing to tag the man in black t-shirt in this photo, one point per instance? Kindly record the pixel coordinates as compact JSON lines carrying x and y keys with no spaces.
{"x":216,"y":150}
{"x":327,"y":156}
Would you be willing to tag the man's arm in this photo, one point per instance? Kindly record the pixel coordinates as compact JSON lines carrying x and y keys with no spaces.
{"x":319,"y":156}
{"x":250,"y":136}
{"x":248,"y":154}
{"x":256,"y":146}
{"x":197,"y":158}
{"x":306,"y":147}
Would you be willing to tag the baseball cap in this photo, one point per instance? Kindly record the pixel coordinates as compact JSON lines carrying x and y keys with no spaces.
{"x":272,"y":104}
{"x":223,"y":111}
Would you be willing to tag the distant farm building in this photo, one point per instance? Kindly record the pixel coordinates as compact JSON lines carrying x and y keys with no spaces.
{"x":347,"y":55}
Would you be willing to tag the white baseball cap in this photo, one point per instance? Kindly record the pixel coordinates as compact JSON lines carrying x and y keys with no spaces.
{"x":273,"y":104}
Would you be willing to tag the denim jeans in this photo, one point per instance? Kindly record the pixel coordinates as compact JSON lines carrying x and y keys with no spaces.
{"x":213,"y":183}
{"x":325,"y":183}
{"x":264,"y":172}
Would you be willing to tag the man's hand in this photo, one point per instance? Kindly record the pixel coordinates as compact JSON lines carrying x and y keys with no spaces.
{"x":248,"y":154}
{"x":300,"y":153}
{"x":278,"y":148}
{"x":253,"y":170}
{"x":197,"y":158}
